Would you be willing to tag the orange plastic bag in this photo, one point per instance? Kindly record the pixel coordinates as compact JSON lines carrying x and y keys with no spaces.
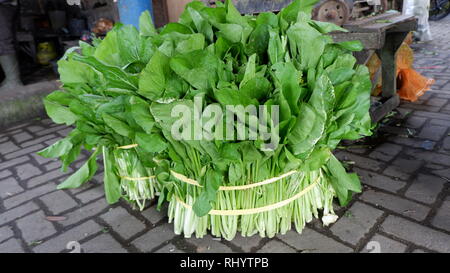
{"x":411,"y":85}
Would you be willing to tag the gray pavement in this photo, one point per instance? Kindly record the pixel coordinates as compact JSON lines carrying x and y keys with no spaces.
{"x":405,"y":205}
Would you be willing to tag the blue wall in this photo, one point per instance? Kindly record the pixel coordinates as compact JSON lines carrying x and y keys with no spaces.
{"x":130,"y":10}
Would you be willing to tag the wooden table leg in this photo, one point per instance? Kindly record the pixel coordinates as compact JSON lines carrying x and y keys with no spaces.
{"x":388,"y":62}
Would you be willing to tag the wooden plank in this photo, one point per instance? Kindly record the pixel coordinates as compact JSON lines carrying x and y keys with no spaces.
{"x":370,"y":40}
{"x":399,"y":22}
{"x":379,"y":112}
{"x":258,"y":6}
{"x":360,"y":23}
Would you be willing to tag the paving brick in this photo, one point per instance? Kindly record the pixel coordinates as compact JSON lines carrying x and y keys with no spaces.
{"x":430,"y":157}
{"x":419,"y":251}
{"x":50,"y":130}
{"x":403,"y":168}
{"x":35,"y":141}
{"x":21,"y":152}
{"x":446,"y":143}
{"x":13,"y":214}
{"x":78,"y":233}
{"x":379,"y":181}
{"x":154,"y":238}
{"x":394,"y":203}
{"x":276,"y":247}
{"x":26,"y":171}
{"x":353,"y":227}
{"x":5,"y":233}
{"x":4,"y":174}
{"x":439,"y":122}
{"x":442,"y":217}
{"x":8,"y":147}
{"x":412,"y":142}
{"x":35,"y":128}
{"x":11,"y":246}
{"x":58,"y":202}
{"x":415,"y":122}
{"x":65,"y":132}
{"x":437,"y":102}
{"x":21,"y":137}
{"x":14,"y":129}
{"x":386,"y":244}
{"x":444,"y":172}
{"x":35,"y":227}
{"x":425,"y":188}
{"x":90,"y":195}
{"x":432,"y":115}
{"x":422,"y":107}
{"x":83,"y":188}
{"x":169,"y":249}
{"x":85,"y":212}
{"x":28,"y":195}
{"x":53,"y":165}
{"x":45,"y":178}
{"x":386,"y":151}
{"x":416,"y":233}
{"x":42,"y":160}
{"x":154,"y":216}
{"x":312,"y":241}
{"x":362,"y":162}
{"x":104,"y":243}
{"x":432,"y":132}
{"x":246,"y":243}
{"x":122,"y":222}
{"x":208,"y":244}
{"x":9,"y":187}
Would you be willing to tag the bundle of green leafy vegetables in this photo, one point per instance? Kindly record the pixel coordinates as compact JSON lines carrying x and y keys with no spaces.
{"x":120,"y":92}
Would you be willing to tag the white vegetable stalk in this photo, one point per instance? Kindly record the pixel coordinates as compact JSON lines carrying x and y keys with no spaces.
{"x":267,"y":224}
{"x":136,"y":181}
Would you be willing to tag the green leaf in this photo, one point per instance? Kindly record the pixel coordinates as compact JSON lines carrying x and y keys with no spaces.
{"x":233,"y":97}
{"x":129,"y":44}
{"x":115,"y":76}
{"x":108,"y":51}
{"x":141,"y":114}
{"x":151,"y":143}
{"x":58,"y":149}
{"x":82,"y":175}
{"x":146,"y":26}
{"x":206,"y":199}
{"x":345,"y":180}
{"x":118,"y":126}
{"x":307,"y":130}
{"x":152,"y":82}
{"x":110,"y":179}
{"x":351,"y":45}
{"x":58,"y":113}
{"x":198,"y":68}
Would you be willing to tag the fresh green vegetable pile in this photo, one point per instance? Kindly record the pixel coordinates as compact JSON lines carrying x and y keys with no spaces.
{"x":121,"y":91}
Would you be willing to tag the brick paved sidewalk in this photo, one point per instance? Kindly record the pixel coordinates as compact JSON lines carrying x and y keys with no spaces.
{"x":405,"y":205}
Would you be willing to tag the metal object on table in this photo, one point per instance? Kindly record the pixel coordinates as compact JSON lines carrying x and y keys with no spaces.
{"x":332,"y":11}
{"x":382,"y":34}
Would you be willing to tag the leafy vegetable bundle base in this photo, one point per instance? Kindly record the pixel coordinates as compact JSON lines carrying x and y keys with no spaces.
{"x":120,"y":94}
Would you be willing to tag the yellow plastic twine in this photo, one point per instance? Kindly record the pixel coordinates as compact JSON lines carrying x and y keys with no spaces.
{"x":137,"y":178}
{"x":255,"y":210}
{"x":127,"y":147}
{"x":239,"y":212}
{"x":187,"y":180}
